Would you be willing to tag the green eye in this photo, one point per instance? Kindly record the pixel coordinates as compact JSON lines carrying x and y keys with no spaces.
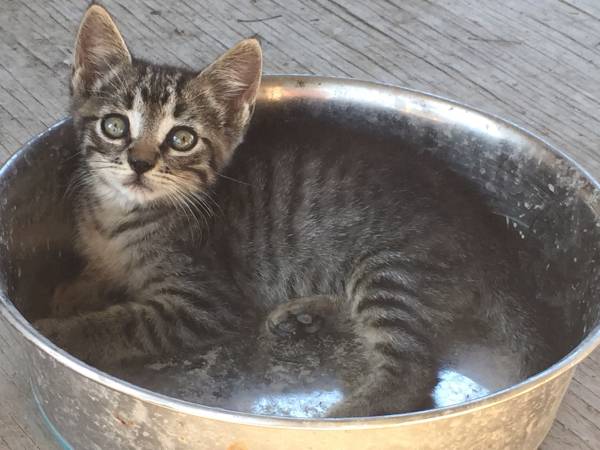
{"x":115,"y":126}
{"x":182,"y":139}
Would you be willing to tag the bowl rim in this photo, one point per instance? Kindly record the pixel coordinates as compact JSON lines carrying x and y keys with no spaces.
{"x":561,"y":367}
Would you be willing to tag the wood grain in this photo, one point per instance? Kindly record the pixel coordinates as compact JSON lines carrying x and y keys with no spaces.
{"x":535,"y":62}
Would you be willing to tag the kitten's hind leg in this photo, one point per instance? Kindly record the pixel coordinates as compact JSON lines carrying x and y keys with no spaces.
{"x":397,"y":307}
{"x":399,"y":382}
{"x":301,"y":316}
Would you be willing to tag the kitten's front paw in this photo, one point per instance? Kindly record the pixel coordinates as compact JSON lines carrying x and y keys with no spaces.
{"x":63,"y":303}
{"x":50,"y":328}
{"x":64,"y":333}
{"x":73,"y":298}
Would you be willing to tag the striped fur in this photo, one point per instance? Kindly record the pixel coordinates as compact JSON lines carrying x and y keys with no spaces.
{"x":140,"y":284}
{"x":400,"y":247}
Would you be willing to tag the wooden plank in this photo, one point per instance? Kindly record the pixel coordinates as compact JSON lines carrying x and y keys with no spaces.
{"x":536,"y":62}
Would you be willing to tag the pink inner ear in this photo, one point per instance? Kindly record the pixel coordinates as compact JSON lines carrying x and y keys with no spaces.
{"x":250,"y":94}
{"x":252,"y":75}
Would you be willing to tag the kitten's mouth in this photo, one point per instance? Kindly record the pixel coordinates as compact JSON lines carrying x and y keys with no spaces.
{"x":137,"y":184}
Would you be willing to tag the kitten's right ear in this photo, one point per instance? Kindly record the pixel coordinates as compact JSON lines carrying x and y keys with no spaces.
{"x":99,"y":48}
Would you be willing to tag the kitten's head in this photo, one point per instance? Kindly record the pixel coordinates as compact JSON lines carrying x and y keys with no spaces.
{"x":153,"y":133}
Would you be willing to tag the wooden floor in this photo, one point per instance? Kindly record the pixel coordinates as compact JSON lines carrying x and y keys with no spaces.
{"x":535,"y":62}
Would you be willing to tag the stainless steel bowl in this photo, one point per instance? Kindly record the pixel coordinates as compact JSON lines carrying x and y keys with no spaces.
{"x":551,"y":202}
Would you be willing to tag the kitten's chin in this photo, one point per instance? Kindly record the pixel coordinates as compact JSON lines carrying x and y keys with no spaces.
{"x":140,"y":193}
{"x":128,"y":193}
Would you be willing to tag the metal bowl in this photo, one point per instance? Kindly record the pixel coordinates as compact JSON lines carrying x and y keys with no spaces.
{"x":549,"y":201}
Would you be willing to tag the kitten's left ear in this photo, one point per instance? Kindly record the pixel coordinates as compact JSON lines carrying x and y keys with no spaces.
{"x":234,"y":78}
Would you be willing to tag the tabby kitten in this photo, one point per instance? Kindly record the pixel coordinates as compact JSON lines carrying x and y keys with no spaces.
{"x":332,"y":223}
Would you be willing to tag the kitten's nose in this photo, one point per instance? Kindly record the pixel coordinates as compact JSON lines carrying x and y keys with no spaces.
{"x":140,"y":165}
{"x":142,"y":157}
